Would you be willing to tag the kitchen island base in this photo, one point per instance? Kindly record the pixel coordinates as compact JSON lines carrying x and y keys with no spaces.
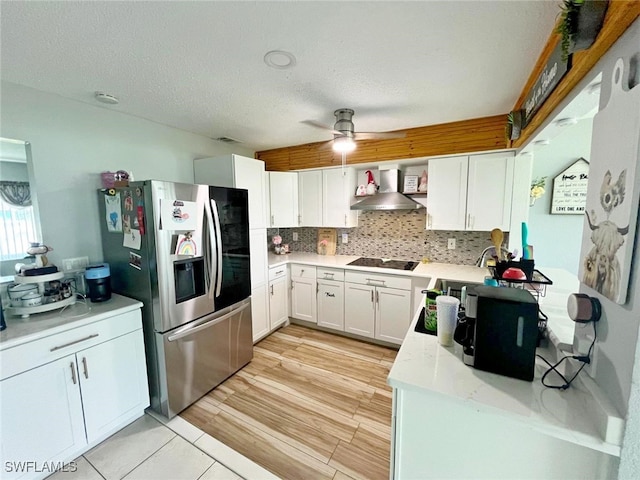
{"x":437,"y":437}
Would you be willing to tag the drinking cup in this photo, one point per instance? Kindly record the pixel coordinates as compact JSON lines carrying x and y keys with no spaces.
{"x":447,"y":311}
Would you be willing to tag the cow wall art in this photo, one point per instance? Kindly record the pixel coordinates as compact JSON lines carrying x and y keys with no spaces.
{"x":613,"y":192}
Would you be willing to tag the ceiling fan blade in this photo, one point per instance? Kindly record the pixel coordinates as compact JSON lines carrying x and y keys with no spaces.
{"x":378,"y":135}
{"x":313,"y":123}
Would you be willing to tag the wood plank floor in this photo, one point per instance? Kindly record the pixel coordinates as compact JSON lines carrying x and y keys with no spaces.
{"x":310,"y":405}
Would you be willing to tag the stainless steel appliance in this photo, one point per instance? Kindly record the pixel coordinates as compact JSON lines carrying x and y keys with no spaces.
{"x":383,"y":263}
{"x":388,"y":196}
{"x":500,"y":334}
{"x":183,"y":251}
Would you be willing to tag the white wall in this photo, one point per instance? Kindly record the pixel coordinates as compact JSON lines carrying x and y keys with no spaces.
{"x":557,"y":238}
{"x":72,"y":142}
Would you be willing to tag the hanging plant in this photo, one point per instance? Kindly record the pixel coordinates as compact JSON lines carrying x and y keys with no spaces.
{"x":514,"y":124}
{"x":581,"y":21}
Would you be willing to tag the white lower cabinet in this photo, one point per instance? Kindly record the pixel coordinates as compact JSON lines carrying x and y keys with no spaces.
{"x":63,"y":393}
{"x":359,"y":309}
{"x":260,"y":306}
{"x":259,"y":283}
{"x":115,"y":366}
{"x":42,"y":416}
{"x":278,"y":312}
{"x":331,"y":304}
{"x":377,"y":306}
{"x":393,"y":314}
{"x":303,"y":293}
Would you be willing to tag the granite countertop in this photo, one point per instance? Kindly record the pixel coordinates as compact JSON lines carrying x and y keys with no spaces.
{"x":20,"y":331}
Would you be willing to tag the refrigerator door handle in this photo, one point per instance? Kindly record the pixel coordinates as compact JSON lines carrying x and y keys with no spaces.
{"x":207,"y":210}
{"x":184,"y":332}
{"x":214,"y":209}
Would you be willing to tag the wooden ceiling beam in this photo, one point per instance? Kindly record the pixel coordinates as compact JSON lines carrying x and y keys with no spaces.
{"x":478,"y":134}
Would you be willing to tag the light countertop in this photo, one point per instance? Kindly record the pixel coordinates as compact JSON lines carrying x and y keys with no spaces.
{"x":423,"y":365}
{"x":434,"y":271}
{"x":23,"y":330}
{"x":553,"y":304}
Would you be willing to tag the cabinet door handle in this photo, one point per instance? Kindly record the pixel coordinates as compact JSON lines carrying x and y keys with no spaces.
{"x":271,"y":288}
{"x":291,"y":287}
{"x":73,"y":373}
{"x":371,"y":296}
{"x":272,"y":221}
{"x":345,"y":219}
{"x":74,"y":342}
{"x":85,"y":368}
{"x":377,"y":297}
{"x":299,"y":219}
{"x":317,"y":288}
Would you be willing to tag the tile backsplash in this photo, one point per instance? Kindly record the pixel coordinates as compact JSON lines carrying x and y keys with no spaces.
{"x":398,"y":234}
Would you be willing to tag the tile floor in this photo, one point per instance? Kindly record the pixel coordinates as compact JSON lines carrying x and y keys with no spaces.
{"x":155,"y":448}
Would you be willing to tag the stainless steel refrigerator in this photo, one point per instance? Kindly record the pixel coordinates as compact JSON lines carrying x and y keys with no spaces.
{"x":183,"y":251}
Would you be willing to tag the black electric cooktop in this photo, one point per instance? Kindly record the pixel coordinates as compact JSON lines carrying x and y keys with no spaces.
{"x":384,"y":263}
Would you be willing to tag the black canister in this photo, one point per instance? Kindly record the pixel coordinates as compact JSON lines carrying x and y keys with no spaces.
{"x":99,"y":282}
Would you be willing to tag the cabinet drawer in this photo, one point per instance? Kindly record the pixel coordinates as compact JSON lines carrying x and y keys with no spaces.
{"x":377,"y":280}
{"x":277,"y":272}
{"x":30,"y":355}
{"x":330,"y":274}
{"x":303,"y":271}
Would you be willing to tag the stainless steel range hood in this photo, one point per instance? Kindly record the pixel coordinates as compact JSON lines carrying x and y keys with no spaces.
{"x":388,"y":197}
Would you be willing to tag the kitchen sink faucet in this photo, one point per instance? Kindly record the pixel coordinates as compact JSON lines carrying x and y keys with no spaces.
{"x":482,"y":259}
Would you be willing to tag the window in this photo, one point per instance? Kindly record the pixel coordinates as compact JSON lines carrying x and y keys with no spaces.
{"x":17,"y":229}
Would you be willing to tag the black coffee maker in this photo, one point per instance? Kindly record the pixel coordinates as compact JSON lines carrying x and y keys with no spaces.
{"x":465,"y":329}
{"x":499,"y":332}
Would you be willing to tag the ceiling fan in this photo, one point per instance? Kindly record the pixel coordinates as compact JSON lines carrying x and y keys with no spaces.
{"x":344,"y":134}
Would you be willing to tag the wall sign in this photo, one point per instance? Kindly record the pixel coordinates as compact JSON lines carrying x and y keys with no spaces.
{"x":551,"y":75}
{"x":569,"y":195}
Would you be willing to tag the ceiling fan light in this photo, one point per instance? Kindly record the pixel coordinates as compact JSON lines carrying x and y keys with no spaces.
{"x":344,"y":145}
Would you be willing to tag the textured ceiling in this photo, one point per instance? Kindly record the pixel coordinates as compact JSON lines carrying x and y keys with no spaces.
{"x":199,"y":66}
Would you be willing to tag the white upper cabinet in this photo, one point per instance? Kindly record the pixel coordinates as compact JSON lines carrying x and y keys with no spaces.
{"x":310,"y":198}
{"x":489,"y":191}
{"x":470,"y":192}
{"x":236,"y":171}
{"x":447,"y":193}
{"x":283,"y":199}
{"x":338,"y":186}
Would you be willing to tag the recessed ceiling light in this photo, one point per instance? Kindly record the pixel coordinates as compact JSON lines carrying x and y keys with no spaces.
{"x":564,"y":122}
{"x":542,"y":142}
{"x":106,"y":98}
{"x":279,"y":59}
